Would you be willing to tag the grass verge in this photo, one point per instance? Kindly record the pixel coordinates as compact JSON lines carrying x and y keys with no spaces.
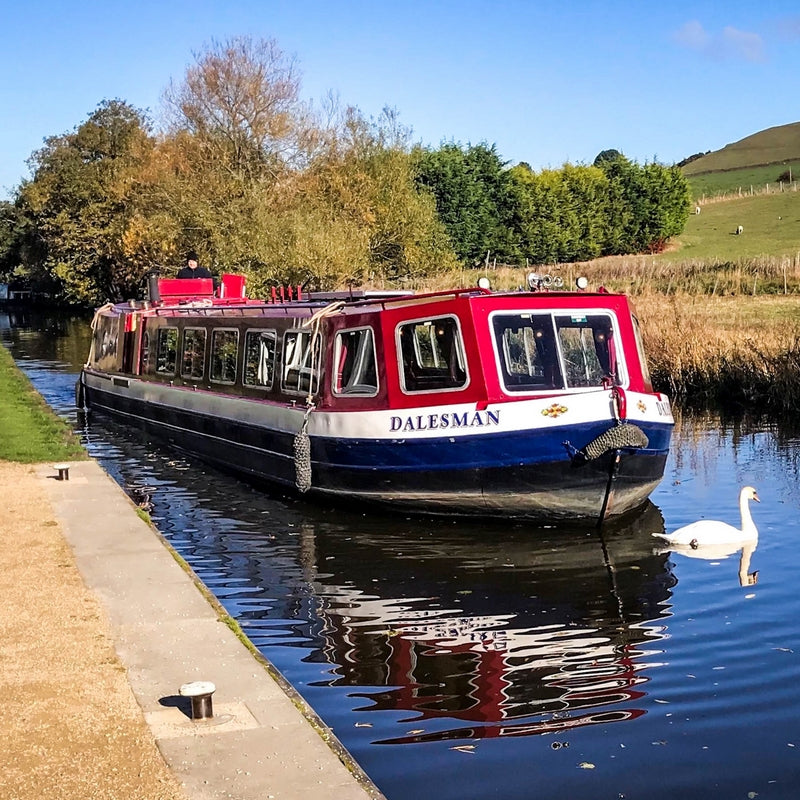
{"x":31,"y":432}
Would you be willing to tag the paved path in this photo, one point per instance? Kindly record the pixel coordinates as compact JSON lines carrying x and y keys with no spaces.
{"x":263,"y":741}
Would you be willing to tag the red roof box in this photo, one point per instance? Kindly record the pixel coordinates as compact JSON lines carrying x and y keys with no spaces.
{"x":174,"y":288}
{"x":232,"y":286}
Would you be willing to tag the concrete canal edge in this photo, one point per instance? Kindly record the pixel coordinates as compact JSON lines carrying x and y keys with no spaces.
{"x":263,"y":740}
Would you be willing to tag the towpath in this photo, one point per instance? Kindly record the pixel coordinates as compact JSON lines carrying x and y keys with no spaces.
{"x":100,"y":628}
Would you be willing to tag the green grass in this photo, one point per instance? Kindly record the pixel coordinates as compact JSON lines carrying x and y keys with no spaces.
{"x":771,"y":229}
{"x":744,"y":180}
{"x":777,"y":145}
{"x":31,"y":432}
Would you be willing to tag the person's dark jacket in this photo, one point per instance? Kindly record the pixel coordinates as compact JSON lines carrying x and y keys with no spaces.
{"x":197,"y":272}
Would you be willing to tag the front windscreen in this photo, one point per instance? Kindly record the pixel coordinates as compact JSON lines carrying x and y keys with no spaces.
{"x":543,"y":352}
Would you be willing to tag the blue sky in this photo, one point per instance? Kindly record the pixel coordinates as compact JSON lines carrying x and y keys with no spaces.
{"x":545,"y":82}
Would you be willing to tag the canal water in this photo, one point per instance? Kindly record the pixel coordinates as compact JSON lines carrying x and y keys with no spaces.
{"x":503,"y":660}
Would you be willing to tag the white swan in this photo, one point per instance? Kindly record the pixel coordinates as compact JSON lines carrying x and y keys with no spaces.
{"x":711,"y":532}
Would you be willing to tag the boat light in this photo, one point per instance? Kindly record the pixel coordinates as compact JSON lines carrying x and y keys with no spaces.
{"x":533,"y":280}
{"x":582,"y":282}
{"x":484,"y":283}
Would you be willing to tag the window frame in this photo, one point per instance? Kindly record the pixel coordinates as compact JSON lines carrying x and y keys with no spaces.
{"x":211,"y":378}
{"x":460,"y":353}
{"x":270,"y":333}
{"x":191,"y":376}
{"x":313,"y":370}
{"x":162,"y":330}
{"x":337,"y":355}
{"x":622,"y":376}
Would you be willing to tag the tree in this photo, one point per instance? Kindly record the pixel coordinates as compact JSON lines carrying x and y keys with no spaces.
{"x":241,"y":100}
{"x":471,"y":190}
{"x":646,"y":205}
{"x":605,"y":156}
{"x":77,"y":206}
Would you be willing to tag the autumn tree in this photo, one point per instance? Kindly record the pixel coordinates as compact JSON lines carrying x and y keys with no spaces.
{"x":241,"y":99}
{"x":365,"y":180}
{"x":76,"y":208}
{"x":264,"y":186}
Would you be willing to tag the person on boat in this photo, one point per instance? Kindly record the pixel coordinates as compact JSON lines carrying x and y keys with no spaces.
{"x":193,"y":268}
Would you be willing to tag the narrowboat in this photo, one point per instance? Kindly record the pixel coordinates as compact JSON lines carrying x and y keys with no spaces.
{"x":531,"y":404}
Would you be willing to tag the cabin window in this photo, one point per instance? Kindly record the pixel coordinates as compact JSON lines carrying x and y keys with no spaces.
{"x":299,"y":362}
{"x":356,"y":369}
{"x":528,"y":352}
{"x":637,"y":332}
{"x":540,"y":352}
{"x":144,"y":359}
{"x":167,"y":350}
{"x":259,"y":358}
{"x":194,"y":353}
{"x":432,"y":355}
{"x":588,"y":349}
{"x":224,"y":352}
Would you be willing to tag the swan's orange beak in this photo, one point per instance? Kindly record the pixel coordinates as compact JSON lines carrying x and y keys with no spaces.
{"x":755,"y":497}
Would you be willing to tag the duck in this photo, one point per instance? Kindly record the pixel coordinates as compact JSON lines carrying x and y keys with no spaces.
{"x":706,"y":532}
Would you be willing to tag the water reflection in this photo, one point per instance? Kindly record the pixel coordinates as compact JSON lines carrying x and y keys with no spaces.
{"x":719,"y":552}
{"x":474,"y":633}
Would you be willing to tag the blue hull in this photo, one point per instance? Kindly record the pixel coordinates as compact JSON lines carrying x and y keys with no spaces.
{"x":529,"y":474}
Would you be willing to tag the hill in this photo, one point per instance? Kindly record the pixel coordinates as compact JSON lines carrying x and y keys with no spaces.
{"x":777,"y":145}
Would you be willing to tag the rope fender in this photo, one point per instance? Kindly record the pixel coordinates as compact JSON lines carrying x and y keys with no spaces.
{"x":616,"y":438}
{"x":302,"y":455}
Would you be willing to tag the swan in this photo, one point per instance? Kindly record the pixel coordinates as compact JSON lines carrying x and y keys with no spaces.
{"x":711,"y":532}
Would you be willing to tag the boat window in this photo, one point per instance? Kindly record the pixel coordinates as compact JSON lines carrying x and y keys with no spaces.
{"x":224,"y":350}
{"x":637,"y":332}
{"x":144,"y":360}
{"x":166,"y":350}
{"x":432,"y":355}
{"x":194,"y":353}
{"x":354,"y":357}
{"x":588,"y":349}
{"x":299,"y":363}
{"x":528,"y":352}
{"x":259,"y":358}
{"x":541,"y":352}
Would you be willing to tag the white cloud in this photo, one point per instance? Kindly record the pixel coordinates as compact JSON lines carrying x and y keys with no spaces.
{"x":731,"y":43}
{"x":693,"y":36}
{"x":741,"y":44}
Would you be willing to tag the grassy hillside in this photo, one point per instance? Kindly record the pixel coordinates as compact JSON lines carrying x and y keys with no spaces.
{"x":771,"y":228}
{"x":771,"y":146}
{"x":742,"y":181}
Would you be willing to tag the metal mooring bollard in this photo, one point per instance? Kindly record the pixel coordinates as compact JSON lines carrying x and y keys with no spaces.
{"x":199,"y":692}
{"x":63,"y":471}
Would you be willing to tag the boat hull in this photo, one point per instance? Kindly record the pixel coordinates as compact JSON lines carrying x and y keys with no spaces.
{"x":530,"y":473}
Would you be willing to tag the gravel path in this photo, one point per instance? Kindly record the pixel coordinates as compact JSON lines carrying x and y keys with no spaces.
{"x":72,"y":729}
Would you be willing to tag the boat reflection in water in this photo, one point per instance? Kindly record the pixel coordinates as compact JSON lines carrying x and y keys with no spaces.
{"x":480,"y":633}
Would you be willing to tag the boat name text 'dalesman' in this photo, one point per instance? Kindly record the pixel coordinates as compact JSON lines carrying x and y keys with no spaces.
{"x":445,"y":420}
